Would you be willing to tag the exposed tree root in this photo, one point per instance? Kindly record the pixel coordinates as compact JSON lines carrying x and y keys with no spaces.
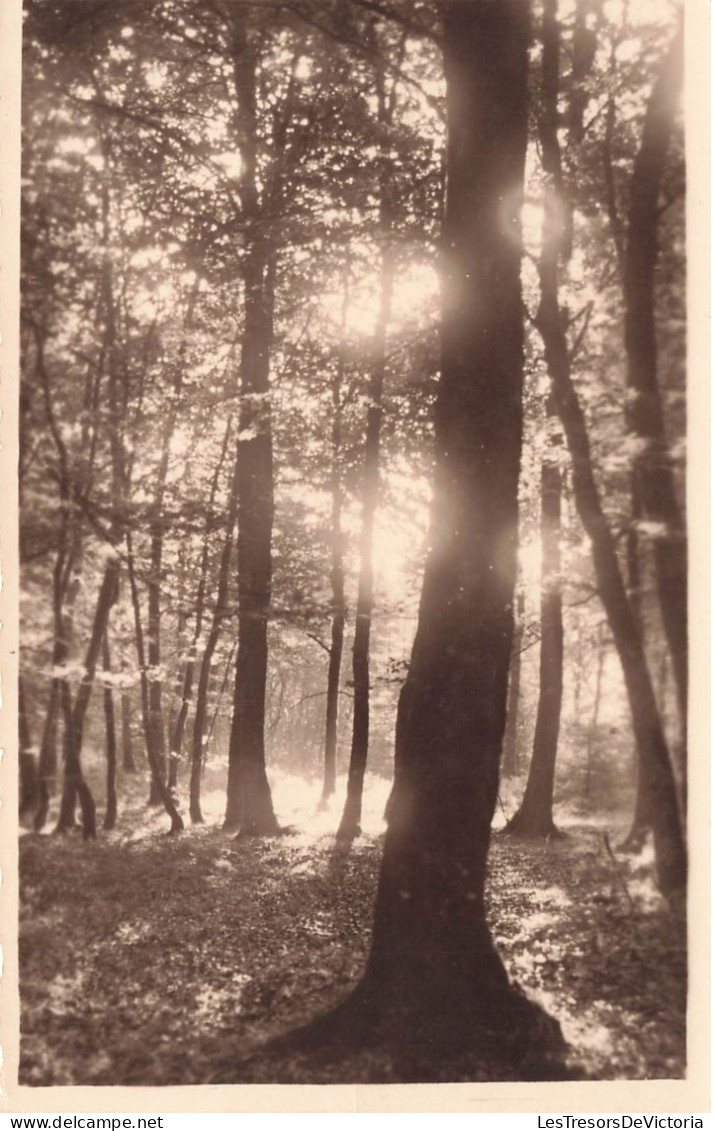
{"x":507,"y":1037}
{"x":522,"y":826}
{"x":249,"y":831}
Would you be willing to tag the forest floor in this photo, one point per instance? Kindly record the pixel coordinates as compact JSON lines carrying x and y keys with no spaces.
{"x":147,"y":959}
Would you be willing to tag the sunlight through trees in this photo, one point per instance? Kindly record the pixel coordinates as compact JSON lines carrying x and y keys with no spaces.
{"x":353,"y":422}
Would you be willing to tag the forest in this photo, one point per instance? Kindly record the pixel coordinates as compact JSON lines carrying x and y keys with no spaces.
{"x":353,"y":549}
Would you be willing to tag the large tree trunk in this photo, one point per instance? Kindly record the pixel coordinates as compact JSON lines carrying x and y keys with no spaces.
{"x":534,"y":817}
{"x":653,"y":470}
{"x":249,"y":802}
{"x":657,"y":775}
{"x":434,"y":978}
{"x":433,"y":968}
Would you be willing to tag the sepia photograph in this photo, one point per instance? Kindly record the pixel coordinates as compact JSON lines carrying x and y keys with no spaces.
{"x":353,"y":583}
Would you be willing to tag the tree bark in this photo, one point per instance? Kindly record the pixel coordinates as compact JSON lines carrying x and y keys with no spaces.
{"x":128,"y":763}
{"x":653,"y":470}
{"x":155,"y":736}
{"x":65,"y":575}
{"x":221,"y":600}
{"x":29,"y":794}
{"x":65,"y":587}
{"x":110,"y":724}
{"x":511,"y":754}
{"x":594,"y":721}
{"x":657,"y":775}
{"x":177,"y":715}
{"x":650,"y":740}
{"x":333,"y":678}
{"x":434,"y":979}
{"x":350,"y":823}
{"x":249,"y":802}
{"x":186,"y":685}
{"x":157,"y":776}
{"x":74,"y":782}
{"x":336,"y":575}
{"x":47,"y":765}
{"x":534,"y":817}
{"x":641,"y":824}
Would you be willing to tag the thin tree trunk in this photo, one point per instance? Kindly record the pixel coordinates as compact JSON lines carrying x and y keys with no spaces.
{"x":75,"y":786}
{"x":351,"y":817}
{"x":65,"y":587}
{"x":110,"y":725}
{"x":653,"y":752}
{"x":155,"y":686}
{"x":594,"y":721}
{"x":151,"y":752}
{"x":219,"y":612}
{"x":199,"y":736}
{"x":73,"y":485}
{"x":183,"y":692}
{"x":633,"y":565}
{"x":29,"y":793}
{"x":186,"y":690}
{"x":128,"y":763}
{"x":74,"y":782}
{"x":653,"y":469}
{"x":641,"y":823}
{"x":332,"y":718}
{"x":651,"y":743}
{"x":511,"y":754}
{"x":534,"y":817}
{"x":177,"y":718}
{"x":155,"y":575}
{"x":47,"y":766}
{"x":350,"y":823}
{"x":336,"y":575}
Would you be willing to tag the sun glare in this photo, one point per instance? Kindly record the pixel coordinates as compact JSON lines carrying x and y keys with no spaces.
{"x":532,"y":216}
{"x":530,"y":559}
{"x":416,"y":289}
